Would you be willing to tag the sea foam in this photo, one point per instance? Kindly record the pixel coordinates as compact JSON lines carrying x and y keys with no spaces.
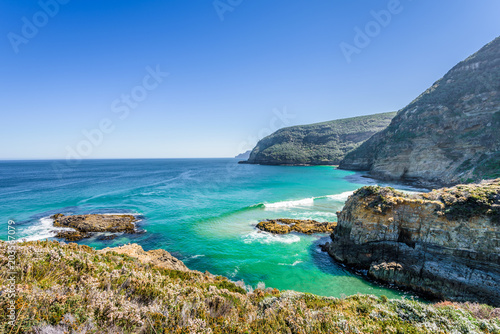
{"x":268,"y":238}
{"x":290,"y":204}
{"x":340,"y":197}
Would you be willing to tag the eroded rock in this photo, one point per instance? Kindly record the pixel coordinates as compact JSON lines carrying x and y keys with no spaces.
{"x":284,"y":226}
{"x":85,"y":225}
{"x":445,"y":243}
{"x":157,"y":257}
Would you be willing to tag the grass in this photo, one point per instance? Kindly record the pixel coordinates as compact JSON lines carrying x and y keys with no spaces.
{"x":75,"y":289}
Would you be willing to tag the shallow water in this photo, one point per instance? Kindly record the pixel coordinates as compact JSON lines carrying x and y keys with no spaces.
{"x":203,"y":211}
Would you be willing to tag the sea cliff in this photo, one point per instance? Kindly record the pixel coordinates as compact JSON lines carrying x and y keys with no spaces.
{"x":445,"y":244}
{"x":447,"y":135}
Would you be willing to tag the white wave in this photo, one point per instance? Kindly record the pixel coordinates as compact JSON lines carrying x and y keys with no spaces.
{"x":268,"y":238}
{"x":233,"y":274}
{"x":42,"y":230}
{"x":120,"y":213}
{"x":293,"y":264}
{"x":289,"y":204}
{"x":340,"y":197}
{"x":195,"y":256}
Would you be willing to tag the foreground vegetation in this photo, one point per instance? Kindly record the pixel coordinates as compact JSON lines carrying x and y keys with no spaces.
{"x":75,"y":289}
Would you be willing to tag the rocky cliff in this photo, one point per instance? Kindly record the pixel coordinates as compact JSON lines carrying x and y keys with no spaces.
{"x":317,"y":144}
{"x":445,"y":243}
{"x":447,"y":135}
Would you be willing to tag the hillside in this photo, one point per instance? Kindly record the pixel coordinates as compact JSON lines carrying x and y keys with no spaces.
{"x":447,"y":135}
{"x":317,"y":144}
{"x":76,"y":289}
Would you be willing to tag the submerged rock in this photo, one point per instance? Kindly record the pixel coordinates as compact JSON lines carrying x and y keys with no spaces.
{"x":445,"y":243}
{"x":284,"y":226}
{"x":72,"y":235}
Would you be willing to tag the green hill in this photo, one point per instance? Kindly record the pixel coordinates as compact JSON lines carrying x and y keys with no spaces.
{"x":323,"y":143}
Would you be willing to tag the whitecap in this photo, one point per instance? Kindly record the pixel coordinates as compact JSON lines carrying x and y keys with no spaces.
{"x":289,"y":204}
{"x":340,"y":197}
{"x":268,"y":238}
{"x":42,"y":230}
{"x":234,"y":273}
{"x":293,"y":264}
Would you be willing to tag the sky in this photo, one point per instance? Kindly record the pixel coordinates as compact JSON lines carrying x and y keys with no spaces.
{"x":92,"y":79}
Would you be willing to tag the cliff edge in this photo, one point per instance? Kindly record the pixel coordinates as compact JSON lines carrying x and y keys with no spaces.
{"x":445,"y":243}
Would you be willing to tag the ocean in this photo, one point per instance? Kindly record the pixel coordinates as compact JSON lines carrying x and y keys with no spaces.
{"x":203,"y":211}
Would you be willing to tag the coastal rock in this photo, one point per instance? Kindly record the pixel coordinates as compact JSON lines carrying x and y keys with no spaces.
{"x":447,"y":135}
{"x":445,"y":243}
{"x":285,"y":226}
{"x":84,"y":225}
{"x":72,"y":235}
{"x":97,"y":223}
{"x":158,"y":257}
{"x":317,"y":144}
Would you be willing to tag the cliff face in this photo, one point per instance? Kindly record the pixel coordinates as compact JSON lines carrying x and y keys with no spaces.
{"x":445,"y":243}
{"x":317,"y":144}
{"x":447,"y":135}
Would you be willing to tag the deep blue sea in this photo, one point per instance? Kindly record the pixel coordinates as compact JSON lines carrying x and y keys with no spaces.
{"x":203,"y":211}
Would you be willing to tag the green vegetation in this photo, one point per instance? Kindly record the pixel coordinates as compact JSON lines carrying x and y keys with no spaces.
{"x":467,"y":201}
{"x":460,"y":202}
{"x":75,"y":289}
{"x":382,"y":196}
{"x":318,"y":144}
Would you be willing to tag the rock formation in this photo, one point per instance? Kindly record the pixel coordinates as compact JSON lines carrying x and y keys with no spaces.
{"x":84,"y":225}
{"x":447,"y":135}
{"x":445,"y":243}
{"x":317,"y":144}
{"x":157,"y":257}
{"x":285,"y":226}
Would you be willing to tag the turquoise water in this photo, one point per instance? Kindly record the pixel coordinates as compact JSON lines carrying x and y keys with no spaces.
{"x":203,"y":211}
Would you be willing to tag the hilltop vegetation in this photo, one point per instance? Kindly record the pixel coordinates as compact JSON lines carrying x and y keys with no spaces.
{"x":317,"y":144}
{"x":75,"y":289}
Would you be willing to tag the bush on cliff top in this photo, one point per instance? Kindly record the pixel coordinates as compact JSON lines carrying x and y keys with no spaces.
{"x":460,"y":202}
{"x":74,"y":289}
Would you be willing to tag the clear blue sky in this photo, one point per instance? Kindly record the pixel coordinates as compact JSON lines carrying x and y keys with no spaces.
{"x":225,"y":76}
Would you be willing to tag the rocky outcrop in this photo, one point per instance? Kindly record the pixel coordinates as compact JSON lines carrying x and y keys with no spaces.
{"x":317,"y":144}
{"x":85,"y":225}
{"x":285,"y":226}
{"x":447,"y":135}
{"x":157,"y":257}
{"x":445,"y":243}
